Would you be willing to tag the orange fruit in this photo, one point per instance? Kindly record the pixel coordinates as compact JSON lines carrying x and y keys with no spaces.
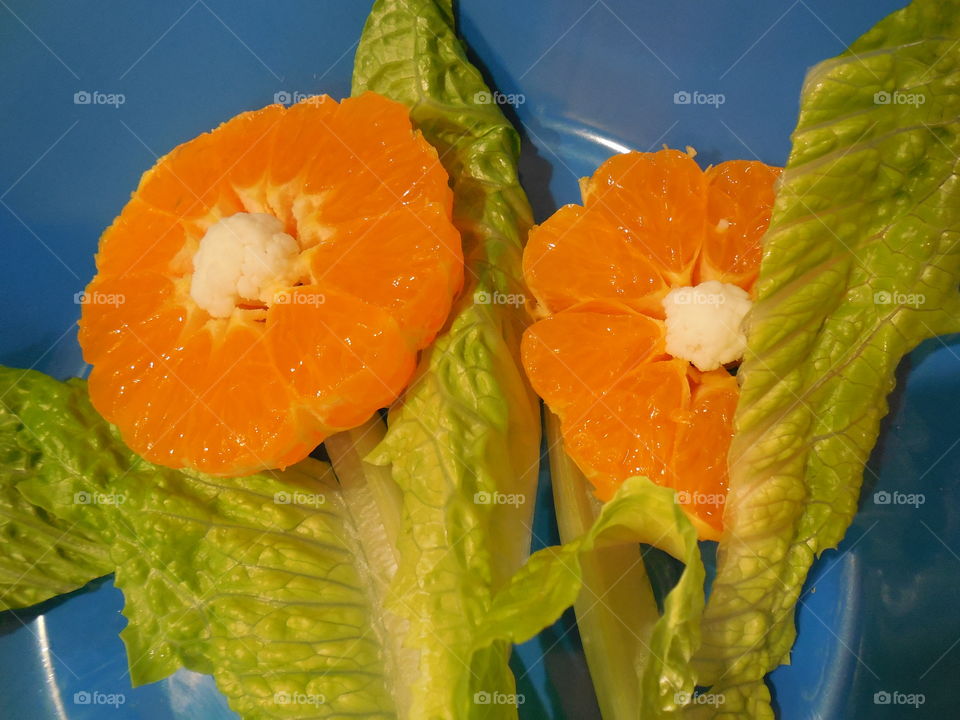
{"x":371,"y":274}
{"x":599,"y":273}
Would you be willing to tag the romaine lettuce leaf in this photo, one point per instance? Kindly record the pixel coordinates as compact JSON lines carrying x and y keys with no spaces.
{"x":861,"y":263}
{"x":463,"y":444}
{"x":262,"y":581}
{"x":616,"y":609}
{"x":42,"y":555}
{"x":552,"y":579}
{"x":275,"y":583}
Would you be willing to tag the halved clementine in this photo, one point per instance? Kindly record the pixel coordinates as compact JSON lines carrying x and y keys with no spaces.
{"x":599,"y":273}
{"x":270,"y":283}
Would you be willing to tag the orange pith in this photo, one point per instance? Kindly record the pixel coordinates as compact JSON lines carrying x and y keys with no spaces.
{"x":599,"y":272}
{"x":379,"y":264}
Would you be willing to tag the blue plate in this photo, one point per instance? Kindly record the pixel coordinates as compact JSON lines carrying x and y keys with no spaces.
{"x":588,"y":78}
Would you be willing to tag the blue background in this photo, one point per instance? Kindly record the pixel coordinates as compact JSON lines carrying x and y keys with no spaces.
{"x":878,"y":614}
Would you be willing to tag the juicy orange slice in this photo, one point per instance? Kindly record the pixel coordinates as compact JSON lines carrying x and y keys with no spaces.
{"x":374,"y":268}
{"x":599,"y":272}
{"x":739,"y":201}
{"x":610,"y":265}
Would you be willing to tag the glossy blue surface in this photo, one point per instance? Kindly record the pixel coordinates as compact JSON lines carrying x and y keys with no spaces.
{"x":878,"y":615}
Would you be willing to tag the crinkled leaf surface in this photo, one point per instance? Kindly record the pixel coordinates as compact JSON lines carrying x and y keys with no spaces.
{"x":260,"y":581}
{"x":861,"y":263}
{"x":43,"y":556}
{"x":464,"y":443}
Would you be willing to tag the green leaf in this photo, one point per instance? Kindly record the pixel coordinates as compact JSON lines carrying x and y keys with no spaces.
{"x":861,"y":263}
{"x":463,"y":445}
{"x":42,"y":555}
{"x":616,"y":609}
{"x":266,"y":582}
{"x":554,"y":577}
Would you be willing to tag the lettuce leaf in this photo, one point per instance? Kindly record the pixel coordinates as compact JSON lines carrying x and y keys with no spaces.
{"x":261,"y":581}
{"x":42,"y":555}
{"x":616,"y":609}
{"x":861,"y":263}
{"x":276,"y":583}
{"x":640,"y":512}
{"x":463,"y":445}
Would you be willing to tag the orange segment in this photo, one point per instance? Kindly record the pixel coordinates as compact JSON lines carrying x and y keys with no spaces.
{"x":579,"y":255}
{"x":739,"y":202}
{"x":141,"y":239}
{"x":699,"y":461}
{"x":368,"y":205}
{"x":575,"y":355}
{"x":228,"y":424}
{"x":658,"y":200}
{"x":361,"y":259}
{"x":116,"y":307}
{"x":189,"y":183}
{"x":343,"y":357}
{"x":386,"y":163}
{"x":629,"y":430}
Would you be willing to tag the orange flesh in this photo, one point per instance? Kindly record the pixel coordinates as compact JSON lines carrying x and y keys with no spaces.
{"x":650,"y":222}
{"x":368,"y":203}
